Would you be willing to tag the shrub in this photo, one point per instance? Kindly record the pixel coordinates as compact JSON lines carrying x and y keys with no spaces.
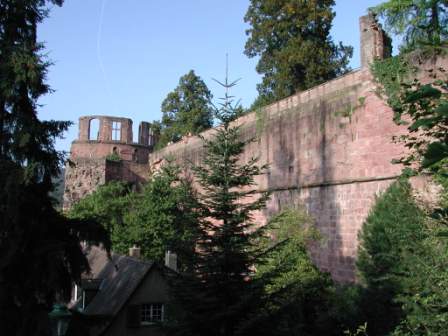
{"x":391,"y":234}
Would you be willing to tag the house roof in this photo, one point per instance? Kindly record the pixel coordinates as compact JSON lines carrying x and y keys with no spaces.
{"x":119,"y":279}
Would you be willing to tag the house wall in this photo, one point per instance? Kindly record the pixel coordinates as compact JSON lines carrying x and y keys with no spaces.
{"x":153,"y":289}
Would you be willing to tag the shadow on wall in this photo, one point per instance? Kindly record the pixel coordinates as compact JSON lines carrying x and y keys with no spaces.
{"x":300,"y":154}
{"x":128,"y":171}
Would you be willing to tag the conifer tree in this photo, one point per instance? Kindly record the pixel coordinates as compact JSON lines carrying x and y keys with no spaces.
{"x":390,"y":237}
{"x":292,"y":39}
{"x":216,"y":296}
{"x":186,"y":110}
{"x":40,"y":252}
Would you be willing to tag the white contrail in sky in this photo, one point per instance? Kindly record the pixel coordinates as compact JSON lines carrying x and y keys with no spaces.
{"x":98,"y":48}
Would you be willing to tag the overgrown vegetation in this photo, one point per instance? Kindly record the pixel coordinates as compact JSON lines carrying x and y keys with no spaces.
{"x":159,"y":218}
{"x":115,"y":157}
{"x":236,"y":277}
{"x":412,"y":271}
{"x":422,"y":24}
{"x":296,"y":296}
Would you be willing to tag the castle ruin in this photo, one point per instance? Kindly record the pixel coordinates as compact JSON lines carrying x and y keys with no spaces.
{"x":105,"y":151}
{"x":329,"y":148}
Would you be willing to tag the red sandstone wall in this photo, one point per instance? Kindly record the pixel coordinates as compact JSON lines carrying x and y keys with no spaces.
{"x":105,"y":128}
{"x":126,"y":171}
{"x":82,"y":177}
{"x":329,"y":148}
{"x":97,"y":150}
{"x":89,"y":168}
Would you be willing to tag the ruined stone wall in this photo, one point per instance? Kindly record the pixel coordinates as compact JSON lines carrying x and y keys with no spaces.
{"x":126,"y":171}
{"x":96,"y":149}
{"x":88,"y":167}
{"x":82,"y":176}
{"x":328,"y":148}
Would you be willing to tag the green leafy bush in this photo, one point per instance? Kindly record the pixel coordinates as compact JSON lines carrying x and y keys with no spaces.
{"x":113,"y":157}
{"x":158,"y":218}
{"x":296,"y":296}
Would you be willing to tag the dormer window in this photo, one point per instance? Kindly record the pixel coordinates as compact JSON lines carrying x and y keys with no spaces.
{"x":151,"y":312}
{"x":116,"y":130}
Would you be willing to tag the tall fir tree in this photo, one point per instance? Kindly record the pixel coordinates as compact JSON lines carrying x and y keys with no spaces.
{"x":292,"y":39}
{"x":40,"y":251}
{"x":216,"y":296}
{"x":186,"y":110}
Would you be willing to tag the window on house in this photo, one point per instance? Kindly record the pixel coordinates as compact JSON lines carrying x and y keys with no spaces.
{"x":151,"y":312}
{"x":116,"y":130}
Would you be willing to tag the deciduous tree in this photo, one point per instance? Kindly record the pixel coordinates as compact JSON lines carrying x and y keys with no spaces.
{"x":160,"y":217}
{"x":186,"y":110}
{"x":296,"y":295}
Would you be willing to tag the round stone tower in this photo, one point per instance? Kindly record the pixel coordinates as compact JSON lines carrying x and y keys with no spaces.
{"x":105,"y":151}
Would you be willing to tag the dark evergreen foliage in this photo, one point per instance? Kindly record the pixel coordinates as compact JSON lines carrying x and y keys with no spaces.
{"x":292,"y":38}
{"x":415,"y":273}
{"x":425,"y":299}
{"x":40,"y":251}
{"x":389,"y":238}
{"x":219,"y":294}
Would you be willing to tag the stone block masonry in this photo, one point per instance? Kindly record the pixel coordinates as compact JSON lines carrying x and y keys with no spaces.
{"x":329,"y":148}
{"x":105,"y":151}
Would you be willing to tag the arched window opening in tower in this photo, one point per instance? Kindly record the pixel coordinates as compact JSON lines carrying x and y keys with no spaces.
{"x":116,"y":130}
{"x":94,"y":129}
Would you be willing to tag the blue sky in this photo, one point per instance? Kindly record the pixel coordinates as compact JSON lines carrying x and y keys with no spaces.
{"x":122,"y":58}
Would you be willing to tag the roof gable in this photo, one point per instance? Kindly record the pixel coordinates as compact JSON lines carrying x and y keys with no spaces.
{"x":120,"y":278}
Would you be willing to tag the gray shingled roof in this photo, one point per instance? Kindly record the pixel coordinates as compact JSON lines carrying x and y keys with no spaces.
{"x":120,"y":277}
